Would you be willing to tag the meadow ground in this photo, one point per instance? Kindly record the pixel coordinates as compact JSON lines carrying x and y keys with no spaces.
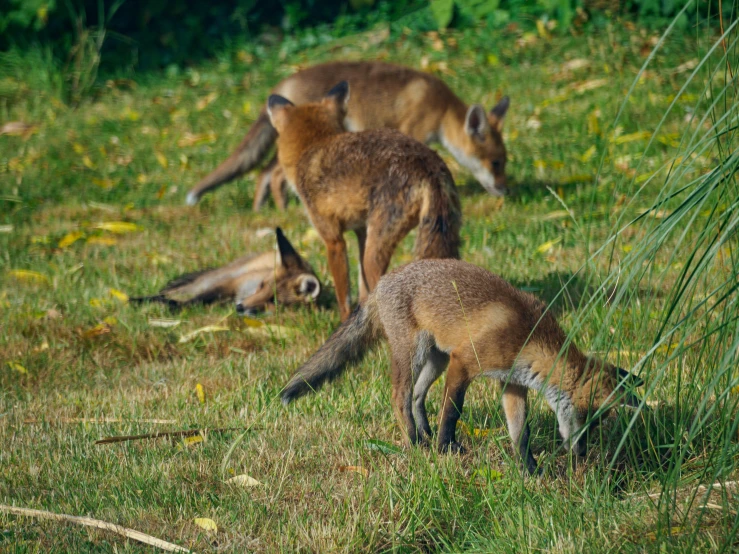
{"x":92,"y":209}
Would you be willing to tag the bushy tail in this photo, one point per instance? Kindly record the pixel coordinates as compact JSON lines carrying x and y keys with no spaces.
{"x":171,"y":304}
{"x":252,"y":149}
{"x":440,"y":221}
{"x":347,"y":344}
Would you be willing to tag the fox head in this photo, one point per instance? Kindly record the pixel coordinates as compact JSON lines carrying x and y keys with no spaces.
{"x":293,"y":281}
{"x":300,"y":124}
{"x":479,"y":145}
{"x":601,"y":387}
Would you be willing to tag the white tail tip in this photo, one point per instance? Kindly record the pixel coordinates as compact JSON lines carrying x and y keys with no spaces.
{"x":191,"y":199}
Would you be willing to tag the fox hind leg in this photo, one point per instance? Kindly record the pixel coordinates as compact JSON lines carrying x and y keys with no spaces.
{"x":402,"y":394}
{"x":432,"y":368}
{"x":362,"y":241}
{"x":264,"y":182}
{"x":457,"y":381}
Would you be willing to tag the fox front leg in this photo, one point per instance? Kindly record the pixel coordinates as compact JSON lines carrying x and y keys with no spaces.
{"x":514,"y":407}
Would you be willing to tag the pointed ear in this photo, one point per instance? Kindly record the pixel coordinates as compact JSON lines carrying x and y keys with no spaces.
{"x":310,"y":287}
{"x":338,"y":96}
{"x":497,"y":114}
{"x":476,"y":123}
{"x":632,"y":379}
{"x":289,"y":258}
{"x":276,"y":106}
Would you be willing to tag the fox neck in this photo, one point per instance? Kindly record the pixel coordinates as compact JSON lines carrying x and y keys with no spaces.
{"x":291,"y":147}
{"x":453,"y":136}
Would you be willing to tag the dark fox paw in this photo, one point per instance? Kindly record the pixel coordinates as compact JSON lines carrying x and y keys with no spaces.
{"x":452,"y":448}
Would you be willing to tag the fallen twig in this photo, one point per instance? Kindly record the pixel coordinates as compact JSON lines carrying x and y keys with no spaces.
{"x":101,"y":420}
{"x":96,"y":523}
{"x":161,"y":434}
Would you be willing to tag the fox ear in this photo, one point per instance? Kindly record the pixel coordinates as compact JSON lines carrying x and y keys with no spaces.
{"x":288,"y":256}
{"x":632,"y":379}
{"x":310,"y":287}
{"x":276,"y":105}
{"x":339,"y":95}
{"x":476,"y":123}
{"x":497,"y":114}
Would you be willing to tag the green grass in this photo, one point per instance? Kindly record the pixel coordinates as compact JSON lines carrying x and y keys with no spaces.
{"x":127,"y":155}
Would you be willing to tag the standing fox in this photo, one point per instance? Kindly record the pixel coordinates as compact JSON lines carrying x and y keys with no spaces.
{"x":379,"y":184}
{"x":255,"y":282}
{"x":439,"y":313}
{"x":383,"y":96}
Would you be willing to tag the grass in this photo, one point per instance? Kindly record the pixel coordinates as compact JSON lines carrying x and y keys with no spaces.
{"x":70,"y":348}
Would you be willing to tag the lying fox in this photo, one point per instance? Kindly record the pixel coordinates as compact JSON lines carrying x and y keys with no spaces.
{"x":255,"y":282}
{"x":439,"y":313}
{"x":378,"y":183}
{"x":383,"y":96}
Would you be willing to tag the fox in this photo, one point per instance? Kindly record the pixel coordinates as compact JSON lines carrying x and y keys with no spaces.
{"x":254,"y":282}
{"x":384,"y":95}
{"x":451,"y":315}
{"x":378,"y":183}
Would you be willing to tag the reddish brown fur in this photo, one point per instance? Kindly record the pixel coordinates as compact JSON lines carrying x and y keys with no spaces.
{"x":379,"y":184}
{"x":387,"y":96}
{"x":439,"y":313}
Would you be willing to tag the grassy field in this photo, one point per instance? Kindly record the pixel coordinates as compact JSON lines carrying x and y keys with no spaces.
{"x":78,"y":363}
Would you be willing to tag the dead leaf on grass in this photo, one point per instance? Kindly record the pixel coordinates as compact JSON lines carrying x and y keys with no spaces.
{"x":206,"y":523}
{"x":200,"y":393}
{"x":207,"y":329}
{"x":28,"y":276}
{"x":244,"y":480}
{"x":15,"y":366}
{"x":117,"y":227}
{"x":355,"y":469}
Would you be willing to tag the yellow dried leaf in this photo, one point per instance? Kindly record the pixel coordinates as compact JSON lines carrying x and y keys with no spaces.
{"x":541,"y":28}
{"x":593,"y":124}
{"x":271,"y":330}
{"x":556,"y":214}
{"x":205,"y":101}
{"x":547,"y":246}
{"x":15,"y":366}
{"x":588,"y":154}
{"x":118,"y":295}
{"x":70,"y":238}
{"x":488,"y":474}
{"x":493,"y":60}
{"x":162,"y":159}
{"x":355,"y":469}
{"x":735,"y":390}
{"x":99,"y":329}
{"x":246,"y":108}
{"x":589,"y":85}
{"x":105,"y":184}
{"x":192,"y":441}
{"x":627,"y":248}
{"x":631,"y":137}
{"x":667,"y":348}
{"x":207,"y":329}
{"x":200,"y":393}
{"x":250,"y":322}
{"x":540,"y":164}
{"x":206,"y":523}
{"x":117,"y":227}
{"x":102,"y":241}
{"x":28,"y":275}
{"x":78,"y":148}
{"x":190,"y":139}
{"x":141,"y":179}
{"x":87,"y":162}
{"x":244,"y":481}
{"x":97,"y":302}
